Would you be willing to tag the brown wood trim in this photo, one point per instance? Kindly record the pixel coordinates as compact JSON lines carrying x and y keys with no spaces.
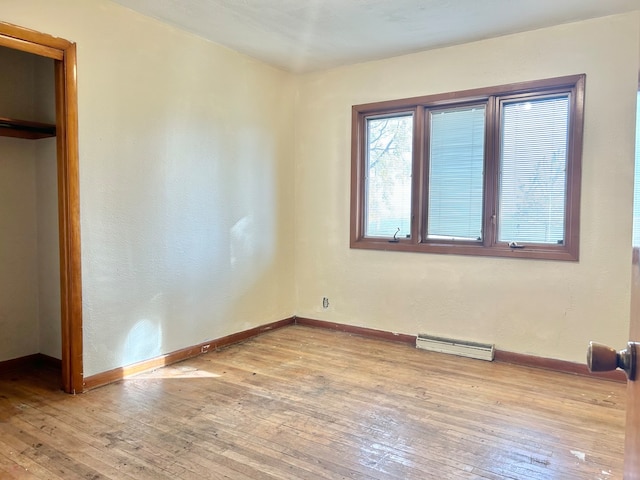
{"x":420,"y":184}
{"x":556,"y":365}
{"x":37,"y":49}
{"x":473,"y":95}
{"x":532,"y":252}
{"x":32,"y":36}
{"x":19,"y":363}
{"x":48,"y":361}
{"x":245,"y":334}
{"x":29,"y":361}
{"x":110,"y":376}
{"x":574,"y":168}
{"x":500,"y":355}
{"x":69,"y":220}
{"x":492,"y":169}
{"x":356,"y":174}
{"x":632,"y":419}
{"x":24,"y":39}
{"x":362,"y":331}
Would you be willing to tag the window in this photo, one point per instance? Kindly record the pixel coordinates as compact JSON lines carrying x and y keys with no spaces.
{"x":492,"y":171}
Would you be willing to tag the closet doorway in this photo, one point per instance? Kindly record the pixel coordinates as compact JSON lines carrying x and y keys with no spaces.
{"x":63,"y":54}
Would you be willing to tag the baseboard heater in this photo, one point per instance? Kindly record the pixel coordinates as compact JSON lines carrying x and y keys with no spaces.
{"x":481,"y":351}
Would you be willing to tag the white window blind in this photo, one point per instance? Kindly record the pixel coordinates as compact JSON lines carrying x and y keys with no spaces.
{"x":533,"y":171}
{"x":388,"y":176}
{"x":456,"y":171}
{"x":636,"y":181}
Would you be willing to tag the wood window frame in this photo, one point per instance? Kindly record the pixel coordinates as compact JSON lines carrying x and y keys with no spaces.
{"x":492,"y":97}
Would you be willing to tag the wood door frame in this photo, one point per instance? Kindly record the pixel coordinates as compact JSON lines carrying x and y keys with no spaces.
{"x":63,"y":53}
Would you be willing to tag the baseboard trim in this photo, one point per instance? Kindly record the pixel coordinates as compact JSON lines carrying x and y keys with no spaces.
{"x":500,"y":355}
{"x":110,"y":376}
{"x":34,"y":360}
{"x":362,"y":331}
{"x":556,"y":365}
{"x":50,"y":362}
{"x":117,"y":374}
{"x":28,"y":361}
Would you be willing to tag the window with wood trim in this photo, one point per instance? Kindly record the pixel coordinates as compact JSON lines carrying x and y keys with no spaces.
{"x":493,"y":171}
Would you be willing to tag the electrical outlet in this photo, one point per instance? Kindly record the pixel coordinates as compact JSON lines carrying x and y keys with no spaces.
{"x":325,"y":302}
{"x":205,"y":348}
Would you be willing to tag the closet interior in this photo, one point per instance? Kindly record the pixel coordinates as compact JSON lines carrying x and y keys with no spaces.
{"x":30,"y":328}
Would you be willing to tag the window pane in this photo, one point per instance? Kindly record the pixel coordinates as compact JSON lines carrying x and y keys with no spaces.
{"x":636,"y":182}
{"x":456,"y":165}
{"x":533,"y":171}
{"x":388,"y":176}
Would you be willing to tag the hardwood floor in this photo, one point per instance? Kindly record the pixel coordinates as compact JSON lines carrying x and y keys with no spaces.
{"x":306,"y":403}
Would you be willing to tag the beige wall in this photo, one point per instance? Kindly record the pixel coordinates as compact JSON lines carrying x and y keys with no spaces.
{"x":29,"y":258}
{"x":44,"y":110}
{"x":539,"y":307}
{"x":191,"y":163}
{"x":18,"y":250}
{"x":186,"y":182}
{"x":18,"y":215}
{"x":48,"y":248}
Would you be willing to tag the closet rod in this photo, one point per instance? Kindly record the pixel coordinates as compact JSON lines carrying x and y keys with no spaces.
{"x":10,"y":127}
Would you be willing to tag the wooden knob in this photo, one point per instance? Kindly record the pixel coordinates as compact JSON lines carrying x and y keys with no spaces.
{"x":601,"y":358}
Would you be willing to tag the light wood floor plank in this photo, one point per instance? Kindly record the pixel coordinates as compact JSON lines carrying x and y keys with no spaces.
{"x":306,"y":403}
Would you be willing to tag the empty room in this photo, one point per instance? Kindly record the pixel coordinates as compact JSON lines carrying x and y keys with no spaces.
{"x":372,"y":239}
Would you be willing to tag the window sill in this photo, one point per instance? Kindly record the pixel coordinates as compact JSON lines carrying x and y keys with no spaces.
{"x":536,"y":252}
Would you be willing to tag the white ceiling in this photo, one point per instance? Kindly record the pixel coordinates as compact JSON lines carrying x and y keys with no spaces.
{"x":307,"y":35}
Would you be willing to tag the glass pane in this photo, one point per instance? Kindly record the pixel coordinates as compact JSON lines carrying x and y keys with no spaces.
{"x":388,"y":176}
{"x":636,"y":182}
{"x":533,"y":171}
{"x":456,"y":170}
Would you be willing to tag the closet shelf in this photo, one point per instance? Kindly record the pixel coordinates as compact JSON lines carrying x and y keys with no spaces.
{"x":10,"y":127}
